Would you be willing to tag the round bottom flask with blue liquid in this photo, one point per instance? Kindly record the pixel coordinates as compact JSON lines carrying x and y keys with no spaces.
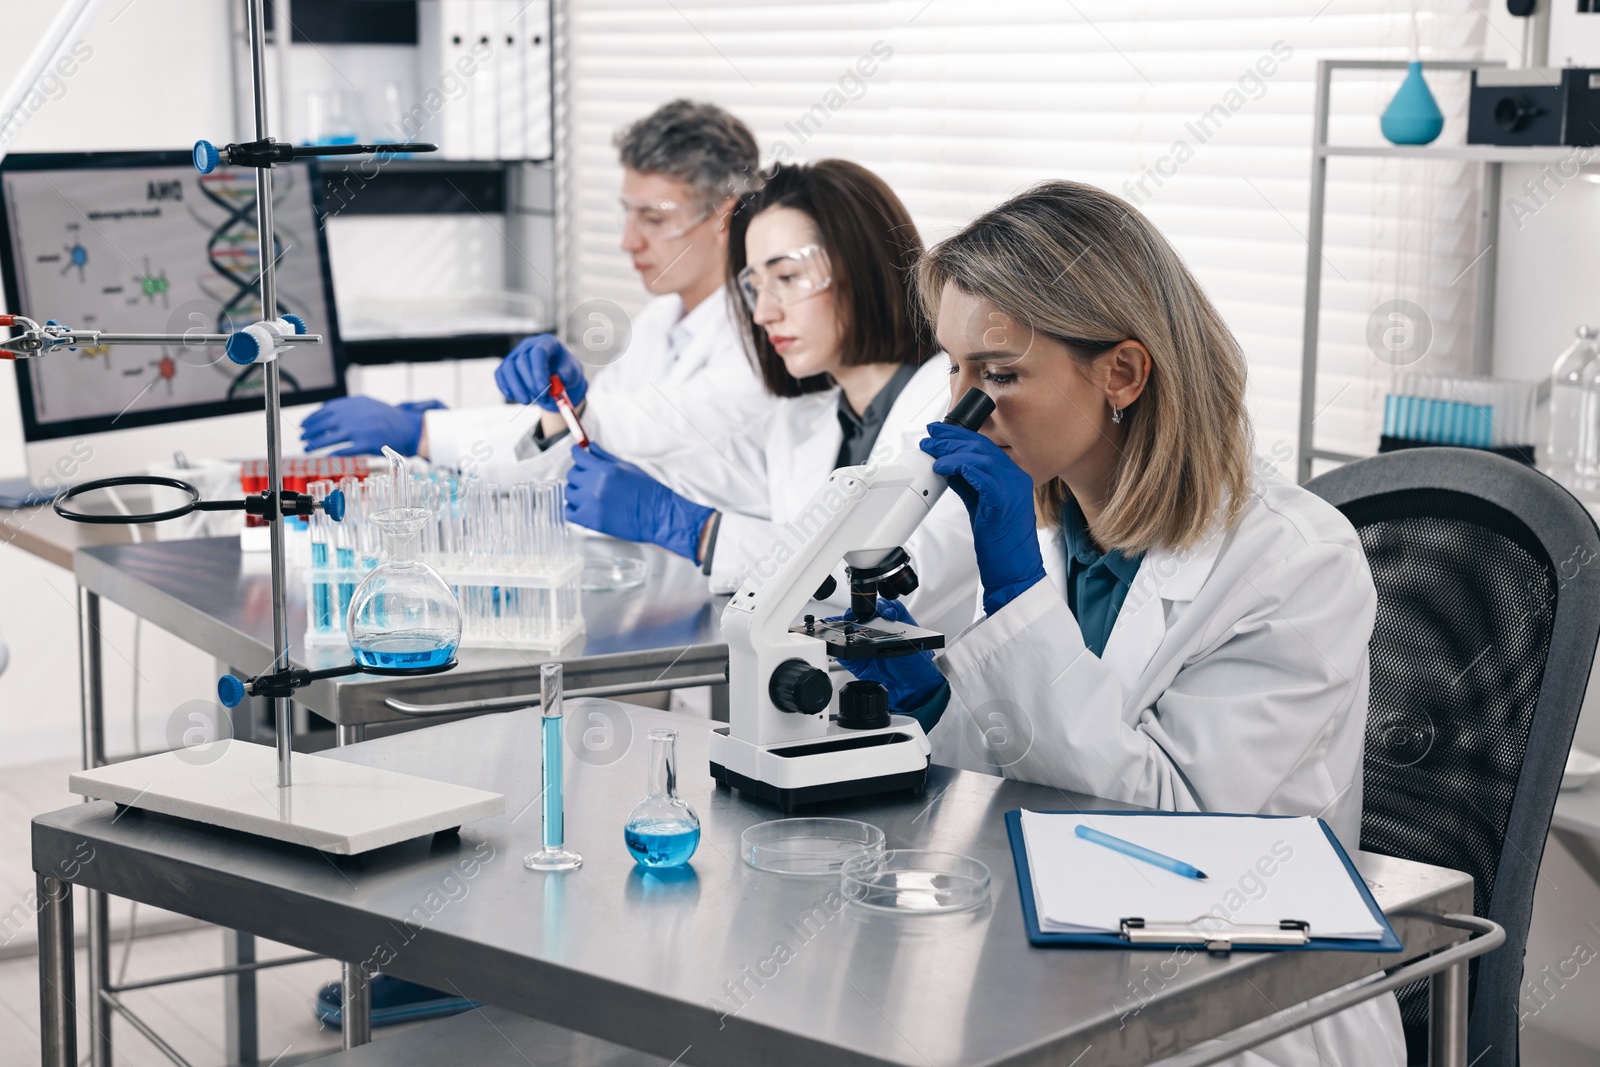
{"x":662,"y":829}
{"x":403,"y":616}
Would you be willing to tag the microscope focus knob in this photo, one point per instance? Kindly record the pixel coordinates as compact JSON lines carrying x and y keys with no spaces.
{"x":800,"y":688}
{"x":863,"y":705}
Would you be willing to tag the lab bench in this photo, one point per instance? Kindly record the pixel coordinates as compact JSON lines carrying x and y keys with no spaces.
{"x":658,"y":636}
{"x":719,"y":964}
{"x":661,"y":635}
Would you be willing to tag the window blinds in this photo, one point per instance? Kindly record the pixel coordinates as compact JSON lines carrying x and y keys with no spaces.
{"x":1200,"y":115}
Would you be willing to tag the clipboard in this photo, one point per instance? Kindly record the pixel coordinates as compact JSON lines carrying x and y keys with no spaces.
{"x":1171,"y":932}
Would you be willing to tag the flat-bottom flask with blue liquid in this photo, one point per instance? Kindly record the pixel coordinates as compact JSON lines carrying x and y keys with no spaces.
{"x":554,"y":855}
{"x":403,"y":616}
{"x":662,"y":829}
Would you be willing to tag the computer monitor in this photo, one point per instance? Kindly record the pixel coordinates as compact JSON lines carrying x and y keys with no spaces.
{"x":139,"y":242}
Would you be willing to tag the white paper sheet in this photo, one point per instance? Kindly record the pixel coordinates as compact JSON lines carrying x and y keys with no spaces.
{"x":1257,"y":870}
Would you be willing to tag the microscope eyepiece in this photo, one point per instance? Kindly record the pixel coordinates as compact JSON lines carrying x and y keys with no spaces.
{"x":972,"y":410}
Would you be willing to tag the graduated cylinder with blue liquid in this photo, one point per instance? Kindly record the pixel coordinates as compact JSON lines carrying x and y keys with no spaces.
{"x":553,"y":855}
{"x":662,"y":829}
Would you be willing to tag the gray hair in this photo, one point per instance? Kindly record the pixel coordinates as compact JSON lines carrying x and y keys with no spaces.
{"x":694,"y":142}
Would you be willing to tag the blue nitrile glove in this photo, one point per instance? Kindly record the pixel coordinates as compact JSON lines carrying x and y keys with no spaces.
{"x":913,"y":681}
{"x":524,"y":375}
{"x":999,"y":498}
{"x":610,"y":495}
{"x":367,"y":425}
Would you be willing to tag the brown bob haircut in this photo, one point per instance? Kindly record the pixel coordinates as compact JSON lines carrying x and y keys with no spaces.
{"x":873,"y":248}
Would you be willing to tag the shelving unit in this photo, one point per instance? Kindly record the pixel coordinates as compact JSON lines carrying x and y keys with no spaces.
{"x":515,"y":195}
{"x":1490,"y":157}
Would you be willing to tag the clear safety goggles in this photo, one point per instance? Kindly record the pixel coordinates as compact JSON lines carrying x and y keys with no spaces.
{"x":787,"y":278}
{"x":663,"y":220}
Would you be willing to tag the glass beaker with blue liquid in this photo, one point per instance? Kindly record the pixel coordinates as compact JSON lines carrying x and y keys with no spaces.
{"x":402,"y":616}
{"x":662,"y":829}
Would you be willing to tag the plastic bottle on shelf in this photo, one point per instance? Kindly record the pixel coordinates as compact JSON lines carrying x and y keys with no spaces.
{"x":1588,"y":462}
{"x":1572,"y":428}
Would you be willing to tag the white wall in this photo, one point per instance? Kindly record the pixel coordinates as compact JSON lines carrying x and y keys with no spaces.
{"x":158,"y":77}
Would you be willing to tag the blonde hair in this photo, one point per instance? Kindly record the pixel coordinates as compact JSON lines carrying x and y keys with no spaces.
{"x":1084,"y":267}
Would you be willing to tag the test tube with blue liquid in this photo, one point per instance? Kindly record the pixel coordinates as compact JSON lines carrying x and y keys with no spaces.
{"x":321,"y":535}
{"x":553,"y":856}
{"x":347,"y":540}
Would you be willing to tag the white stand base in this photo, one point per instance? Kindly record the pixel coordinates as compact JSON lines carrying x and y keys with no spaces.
{"x":333,"y":806}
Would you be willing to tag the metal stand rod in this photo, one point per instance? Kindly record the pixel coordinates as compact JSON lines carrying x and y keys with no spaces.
{"x":1447,"y":1017}
{"x":94,"y":755}
{"x":99,"y":978}
{"x":355,"y":1005}
{"x":1484,"y":285}
{"x":92,"y":702}
{"x":144,"y":1028}
{"x":58,"y":1007}
{"x":242,"y":1041}
{"x":351,"y":734}
{"x":217,"y":972}
{"x":1309,"y":328}
{"x":269,"y":372}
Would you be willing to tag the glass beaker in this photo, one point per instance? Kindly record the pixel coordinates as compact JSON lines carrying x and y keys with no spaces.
{"x":403,"y":615}
{"x":662,"y":829}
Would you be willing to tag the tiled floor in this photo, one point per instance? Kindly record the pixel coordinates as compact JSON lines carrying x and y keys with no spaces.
{"x":189,"y":1017}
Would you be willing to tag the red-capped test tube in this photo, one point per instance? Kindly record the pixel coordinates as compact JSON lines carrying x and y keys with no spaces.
{"x":558,"y":393}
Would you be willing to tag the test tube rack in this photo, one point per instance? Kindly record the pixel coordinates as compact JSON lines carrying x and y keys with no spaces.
{"x":1466,"y":412}
{"x":505,"y":550}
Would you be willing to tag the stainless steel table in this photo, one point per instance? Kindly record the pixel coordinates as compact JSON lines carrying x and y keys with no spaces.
{"x":661,"y":635}
{"x":723,"y":965}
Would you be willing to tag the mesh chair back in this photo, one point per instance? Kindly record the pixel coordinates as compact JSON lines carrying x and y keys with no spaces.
{"x":1488,"y":580}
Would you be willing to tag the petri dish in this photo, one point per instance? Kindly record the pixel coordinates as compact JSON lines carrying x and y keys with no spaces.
{"x":608,"y":574}
{"x":810,"y":846}
{"x":915,"y":881}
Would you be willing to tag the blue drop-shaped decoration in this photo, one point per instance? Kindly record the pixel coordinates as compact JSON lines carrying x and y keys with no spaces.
{"x":1413,"y":116}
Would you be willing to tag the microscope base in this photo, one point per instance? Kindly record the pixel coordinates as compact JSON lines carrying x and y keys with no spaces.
{"x":838,"y":766}
{"x":790,"y":799}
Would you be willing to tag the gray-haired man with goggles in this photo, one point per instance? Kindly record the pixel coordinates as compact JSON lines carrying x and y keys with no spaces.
{"x":682,"y":376}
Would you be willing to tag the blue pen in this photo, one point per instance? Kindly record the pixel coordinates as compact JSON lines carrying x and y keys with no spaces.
{"x":1139,"y":852}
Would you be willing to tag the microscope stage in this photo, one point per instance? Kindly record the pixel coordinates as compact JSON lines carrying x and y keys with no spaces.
{"x":877,"y":639}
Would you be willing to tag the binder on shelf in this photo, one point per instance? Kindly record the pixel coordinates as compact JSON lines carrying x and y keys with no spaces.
{"x":1274,"y":883}
{"x":485,"y":37}
{"x":514,"y":27}
{"x":536,"y":91}
{"x":444,"y":38}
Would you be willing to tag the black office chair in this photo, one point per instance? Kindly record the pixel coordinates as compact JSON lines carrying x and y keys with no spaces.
{"x":1488,"y":578}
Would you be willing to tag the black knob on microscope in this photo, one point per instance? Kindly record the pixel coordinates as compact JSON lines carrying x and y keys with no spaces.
{"x":800,"y":688}
{"x":902,"y":582}
{"x":863,"y":705}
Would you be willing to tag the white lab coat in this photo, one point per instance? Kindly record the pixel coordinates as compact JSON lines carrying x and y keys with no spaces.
{"x":682,"y":381}
{"x":1235,"y":679}
{"x":773,"y":473}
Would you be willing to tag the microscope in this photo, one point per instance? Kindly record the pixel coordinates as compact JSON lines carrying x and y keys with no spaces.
{"x":780,"y":744}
